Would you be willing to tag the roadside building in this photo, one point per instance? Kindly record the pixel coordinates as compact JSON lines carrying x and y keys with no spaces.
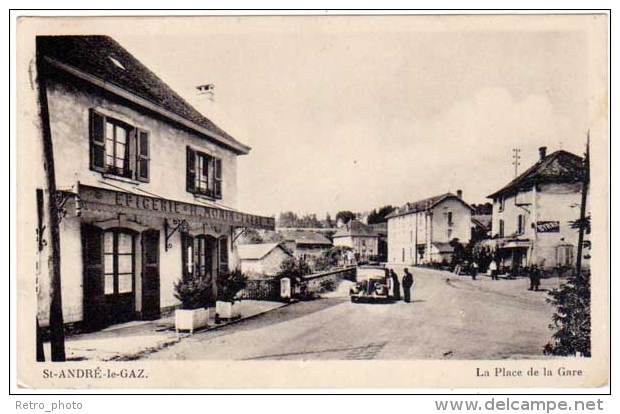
{"x":532,"y":214}
{"x":306,"y":244}
{"x":264,"y":259}
{"x":420,"y":232}
{"x":146,"y":184}
{"x":382,"y":249}
{"x":360,"y":237}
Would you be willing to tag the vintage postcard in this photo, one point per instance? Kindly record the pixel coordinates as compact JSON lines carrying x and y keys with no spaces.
{"x":369,"y":201}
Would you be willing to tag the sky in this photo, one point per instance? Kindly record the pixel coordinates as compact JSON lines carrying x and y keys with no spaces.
{"x":346,"y":114}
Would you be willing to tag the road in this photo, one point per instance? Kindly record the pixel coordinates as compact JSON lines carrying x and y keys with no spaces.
{"x":451,"y":317}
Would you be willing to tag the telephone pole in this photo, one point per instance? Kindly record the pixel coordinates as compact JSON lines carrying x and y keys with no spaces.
{"x":582,"y":213}
{"x":56,"y":324}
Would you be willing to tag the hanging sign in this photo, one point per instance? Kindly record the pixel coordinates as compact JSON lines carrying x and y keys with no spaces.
{"x":547,"y":227}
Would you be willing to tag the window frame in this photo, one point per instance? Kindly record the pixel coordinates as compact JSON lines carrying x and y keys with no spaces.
{"x":114,"y":233}
{"x":136,"y":155}
{"x":196,"y":162}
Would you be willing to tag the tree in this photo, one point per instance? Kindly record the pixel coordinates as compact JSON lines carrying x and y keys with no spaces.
{"x":328,"y":221}
{"x":251,"y":236}
{"x":345,"y":216}
{"x":379,"y":216}
{"x":571,"y":320}
{"x":287,"y":219}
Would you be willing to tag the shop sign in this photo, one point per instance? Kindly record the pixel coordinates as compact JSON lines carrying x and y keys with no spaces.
{"x":547,"y":227}
{"x":92,"y":197}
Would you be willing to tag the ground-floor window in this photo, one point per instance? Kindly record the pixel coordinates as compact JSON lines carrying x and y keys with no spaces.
{"x":119,"y":261}
{"x":564,"y":255}
{"x":203,"y":255}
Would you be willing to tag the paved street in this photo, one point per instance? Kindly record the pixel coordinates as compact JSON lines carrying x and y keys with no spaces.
{"x":452,"y":317}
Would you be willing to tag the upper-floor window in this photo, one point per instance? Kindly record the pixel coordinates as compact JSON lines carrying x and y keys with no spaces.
{"x":502,"y":203}
{"x":520,"y":224}
{"x":118,"y":148}
{"x":204,"y":174}
{"x":450,"y":222}
{"x":501,"y":228}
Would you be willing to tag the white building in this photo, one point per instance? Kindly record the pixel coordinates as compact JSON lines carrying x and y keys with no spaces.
{"x":532,"y":214}
{"x":263,"y":259}
{"x":147,"y":185}
{"x":363,"y":239}
{"x":420,"y":232}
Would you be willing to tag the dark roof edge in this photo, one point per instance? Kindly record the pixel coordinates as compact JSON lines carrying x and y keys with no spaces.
{"x":394,"y":214}
{"x":237,"y":147}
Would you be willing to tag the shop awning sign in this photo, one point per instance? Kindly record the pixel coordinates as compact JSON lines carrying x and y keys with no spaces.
{"x":95,"y":198}
{"x":547,"y":227}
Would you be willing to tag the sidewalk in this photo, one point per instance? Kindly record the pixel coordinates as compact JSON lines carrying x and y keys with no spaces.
{"x":132,"y":340}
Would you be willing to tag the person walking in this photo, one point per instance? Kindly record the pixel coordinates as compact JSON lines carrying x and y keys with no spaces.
{"x":493,"y":269}
{"x":395,"y":285}
{"x":534,"y":278}
{"x":474,"y":270}
{"x":407,"y":284}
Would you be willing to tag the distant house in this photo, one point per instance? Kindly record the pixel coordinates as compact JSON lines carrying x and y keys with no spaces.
{"x":382,"y":246}
{"x":305,"y":244}
{"x":362,"y":238}
{"x":262,"y":259}
{"x":420,"y":232}
{"x":532,"y":214}
{"x":481,"y":226}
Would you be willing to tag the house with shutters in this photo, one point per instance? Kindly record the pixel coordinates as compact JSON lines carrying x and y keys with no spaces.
{"x":145,"y":182}
{"x":420,"y":232}
{"x":360,"y":237}
{"x":532,"y":214}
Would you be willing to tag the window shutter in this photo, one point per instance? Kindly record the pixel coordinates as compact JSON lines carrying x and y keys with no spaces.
{"x":191,"y":170}
{"x":186,"y":242}
{"x":223,"y":255}
{"x":218,"y":178}
{"x":142,"y":156}
{"x":97,"y":141}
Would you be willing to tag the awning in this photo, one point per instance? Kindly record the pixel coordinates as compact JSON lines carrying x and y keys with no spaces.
{"x":512,"y":244}
{"x":100,"y":199}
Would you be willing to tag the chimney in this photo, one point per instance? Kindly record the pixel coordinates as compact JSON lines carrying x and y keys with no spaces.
{"x":542,"y":151}
{"x":459,"y":194}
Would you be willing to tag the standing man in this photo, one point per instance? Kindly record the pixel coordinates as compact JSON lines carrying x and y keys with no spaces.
{"x":534,"y":278}
{"x":474,"y":270}
{"x":395,"y":285}
{"x":407,"y":283}
{"x":493,"y":269}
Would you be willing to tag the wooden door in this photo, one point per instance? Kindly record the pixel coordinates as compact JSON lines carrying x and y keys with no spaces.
{"x":94,"y":316}
{"x":150,"y":275}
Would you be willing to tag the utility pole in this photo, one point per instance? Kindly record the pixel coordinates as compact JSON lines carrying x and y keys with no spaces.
{"x":516,"y":157}
{"x":56,"y":324}
{"x":582,"y":213}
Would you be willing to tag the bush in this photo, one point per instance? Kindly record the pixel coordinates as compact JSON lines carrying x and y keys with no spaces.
{"x":229,"y":284}
{"x":327,"y":285}
{"x":571,"y":321}
{"x":194,"y":293}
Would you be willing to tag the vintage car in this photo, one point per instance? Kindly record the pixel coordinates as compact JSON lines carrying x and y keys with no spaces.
{"x":371,"y":285}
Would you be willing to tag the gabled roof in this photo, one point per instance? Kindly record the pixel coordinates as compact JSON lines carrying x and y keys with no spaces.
{"x":257,"y":251}
{"x":305,"y":237}
{"x":558,"y":167}
{"x":425,"y":204}
{"x":482,"y":220}
{"x":356,"y":228}
{"x":101,"y":58}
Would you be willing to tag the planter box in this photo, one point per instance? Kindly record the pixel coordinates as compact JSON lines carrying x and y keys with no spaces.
{"x":227,"y":310}
{"x":190,"y":319}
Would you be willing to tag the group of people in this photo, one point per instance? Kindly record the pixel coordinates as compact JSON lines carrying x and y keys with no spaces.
{"x":394,"y":284}
{"x":534,"y":273}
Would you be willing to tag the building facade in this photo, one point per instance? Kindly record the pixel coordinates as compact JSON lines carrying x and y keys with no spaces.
{"x":363,"y":239}
{"x":263,"y":259}
{"x":532,"y":214}
{"x":306,"y":244}
{"x":421,"y":232}
{"x":146,"y":184}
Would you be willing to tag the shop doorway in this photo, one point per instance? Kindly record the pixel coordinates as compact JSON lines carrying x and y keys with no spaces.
{"x":119,"y":274}
{"x":150,"y":275}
